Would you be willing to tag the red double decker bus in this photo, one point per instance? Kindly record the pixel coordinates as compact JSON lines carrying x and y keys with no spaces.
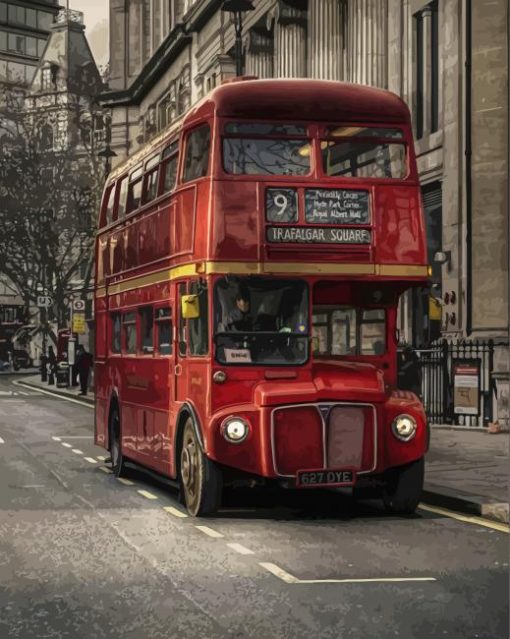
{"x":249,"y":266}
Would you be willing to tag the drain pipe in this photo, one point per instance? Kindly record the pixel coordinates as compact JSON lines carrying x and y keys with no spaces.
{"x":468,"y":169}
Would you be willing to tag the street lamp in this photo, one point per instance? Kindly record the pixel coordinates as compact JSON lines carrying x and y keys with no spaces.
{"x":107,"y":153}
{"x":236,"y":7}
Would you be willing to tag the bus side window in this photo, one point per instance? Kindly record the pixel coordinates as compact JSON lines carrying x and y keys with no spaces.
{"x":169,"y":167}
{"x":147,"y":329}
{"x":134,"y":190}
{"x":129,"y":333}
{"x":122,"y":191}
{"x":164,"y":330}
{"x":108,"y":206}
{"x":150,"y":181}
{"x":115,"y":346}
{"x":182,"y":321}
{"x":196,"y":162}
{"x":198,"y":328}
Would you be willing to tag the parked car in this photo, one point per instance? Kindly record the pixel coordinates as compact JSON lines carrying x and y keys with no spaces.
{"x":21,"y":359}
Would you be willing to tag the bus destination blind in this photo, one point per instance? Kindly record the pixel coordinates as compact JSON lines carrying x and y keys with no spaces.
{"x":336,"y":206}
{"x":317,"y":235}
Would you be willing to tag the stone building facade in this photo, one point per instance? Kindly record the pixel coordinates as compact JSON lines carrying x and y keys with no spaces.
{"x":446,"y":58}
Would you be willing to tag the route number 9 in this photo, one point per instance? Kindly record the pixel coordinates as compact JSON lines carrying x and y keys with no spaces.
{"x":281,"y":205}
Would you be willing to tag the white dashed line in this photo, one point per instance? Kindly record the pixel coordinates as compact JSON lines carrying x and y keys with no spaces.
{"x":66,"y":445}
{"x":174,"y":511}
{"x":242,"y":550}
{"x":126,"y":482}
{"x":469,"y":519}
{"x":2,"y":441}
{"x":56,"y":439}
{"x":101,"y":458}
{"x":106,"y":470}
{"x":146,"y":494}
{"x":23,"y":393}
{"x":290,"y":579}
{"x":91,"y":460}
{"x":209,"y":531}
{"x":77,"y":451}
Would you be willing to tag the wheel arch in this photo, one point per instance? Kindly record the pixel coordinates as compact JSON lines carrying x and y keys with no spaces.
{"x":187,"y":411}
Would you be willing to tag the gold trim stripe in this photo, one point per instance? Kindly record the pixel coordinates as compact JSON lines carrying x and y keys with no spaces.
{"x":261,"y":268}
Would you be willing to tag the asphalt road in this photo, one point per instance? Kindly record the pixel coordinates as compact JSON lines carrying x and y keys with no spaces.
{"x":83,"y":555}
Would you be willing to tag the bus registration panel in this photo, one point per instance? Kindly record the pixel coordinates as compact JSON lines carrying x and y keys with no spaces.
{"x":325,"y":477}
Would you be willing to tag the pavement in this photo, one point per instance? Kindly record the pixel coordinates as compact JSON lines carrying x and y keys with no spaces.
{"x":465,"y":470}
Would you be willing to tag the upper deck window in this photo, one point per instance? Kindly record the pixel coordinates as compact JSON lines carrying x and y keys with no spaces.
{"x":364,"y":152}
{"x":134,"y":190}
{"x":196,"y":162}
{"x":266,"y":148}
{"x":151,"y":179}
{"x":169,"y":166}
{"x":109,"y":201}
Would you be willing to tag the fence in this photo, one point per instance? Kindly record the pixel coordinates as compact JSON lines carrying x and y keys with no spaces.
{"x":457,"y":382}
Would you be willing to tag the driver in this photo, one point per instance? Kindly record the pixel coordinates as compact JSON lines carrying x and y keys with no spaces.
{"x":239,"y":318}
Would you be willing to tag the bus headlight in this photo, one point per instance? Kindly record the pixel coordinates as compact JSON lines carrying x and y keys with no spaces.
{"x":404,"y":427}
{"x":235,"y":430}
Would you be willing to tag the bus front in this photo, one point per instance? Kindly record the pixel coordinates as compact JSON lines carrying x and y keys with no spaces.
{"x":317,"y":233}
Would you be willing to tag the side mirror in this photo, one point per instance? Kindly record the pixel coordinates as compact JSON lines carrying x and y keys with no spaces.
{"x":189,"y":307}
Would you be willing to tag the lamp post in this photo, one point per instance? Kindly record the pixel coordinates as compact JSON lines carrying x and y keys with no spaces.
{"x":107,"y":153}
{"x":236,"y":7}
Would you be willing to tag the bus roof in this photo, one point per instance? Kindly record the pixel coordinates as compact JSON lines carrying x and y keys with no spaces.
{"x":301,"y":99}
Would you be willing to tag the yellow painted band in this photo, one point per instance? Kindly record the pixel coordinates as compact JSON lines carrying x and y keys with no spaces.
{"x":261,"y":268}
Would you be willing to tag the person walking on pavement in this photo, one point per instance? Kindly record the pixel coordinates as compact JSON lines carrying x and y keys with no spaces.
{"x":409,"y":375}
{"x":83,"y":366}
{"x":52,"y":365}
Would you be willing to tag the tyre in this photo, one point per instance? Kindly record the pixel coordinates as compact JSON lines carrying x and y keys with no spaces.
{"x":200,"y":478}
{"x":118,"y":459}
{"x":403,"y":488}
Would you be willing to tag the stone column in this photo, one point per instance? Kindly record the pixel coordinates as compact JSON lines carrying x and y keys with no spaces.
{"x":427,"y":69}
{"x":325,"y":39}
{"x":290,"y":41}
{"x":259,"y":54}
{"x":367,"y":42}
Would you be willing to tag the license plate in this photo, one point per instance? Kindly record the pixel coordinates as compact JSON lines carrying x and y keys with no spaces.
{"x":327,"y":477}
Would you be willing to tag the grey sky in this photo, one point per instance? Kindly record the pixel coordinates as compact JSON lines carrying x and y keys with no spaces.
{"x":96,"y":21}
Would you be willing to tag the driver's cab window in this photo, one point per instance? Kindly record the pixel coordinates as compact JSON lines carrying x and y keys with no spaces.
{"x":345,"y":330}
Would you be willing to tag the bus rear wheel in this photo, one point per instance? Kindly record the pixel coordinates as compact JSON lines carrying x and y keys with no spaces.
{"x":118,"y":459}
{"x":403,"y":488}
{"x":201,"y":479}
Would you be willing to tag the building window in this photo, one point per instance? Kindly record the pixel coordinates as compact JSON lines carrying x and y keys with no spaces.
{"x":46,"y":79}
{"x":3,"y":12}
{"x":44,"y":20}
{"x":31,"y":47}
{"x":3,"y":40}
{"x":16,"y":43}
{"x":196,"y":162}
{"x":47,"y":137}
{"x":32,"y":18}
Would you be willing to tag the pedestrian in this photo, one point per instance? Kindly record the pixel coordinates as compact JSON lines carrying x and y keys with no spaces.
{"x":83,"y":365}
{"x":409,"y":374}
{"x":52,"y":365}
{"x":44,"y":365}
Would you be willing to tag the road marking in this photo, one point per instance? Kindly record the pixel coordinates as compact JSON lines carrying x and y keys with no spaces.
{"x":56,"y":439}
{"x":209,"y":531}
{"x":290,"y":579}
{"x":242,"y":550}
{"x":279,"y":572}
{"x":3,"y":393}
{"x":23,"y":393}
{"x":33,"y":486}
{"x":106,"y":470}
{"x":174,"y":511}
{"x":79,"y":437}
{"x":469,"y":519}
{"x":146,"y":494}
{"x":2,"y":441}
{"x":66,"y":445}
{"x":91,"y":460}
{"x":126,"y":482}
{"x":77,"y":451}
{"x":58,"y":396}
{"x":101,"y":458}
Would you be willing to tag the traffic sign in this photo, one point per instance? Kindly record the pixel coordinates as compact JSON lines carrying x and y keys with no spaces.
{"x":78,"y":305}
{"x":79,"y":323}
{"x":44,"y":301}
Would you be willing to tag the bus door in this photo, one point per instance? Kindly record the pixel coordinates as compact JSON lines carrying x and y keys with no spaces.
{"x":163,"y":371}
{"x":180,"y":368}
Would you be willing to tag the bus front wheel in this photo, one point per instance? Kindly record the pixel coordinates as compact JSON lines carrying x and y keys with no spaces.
{"x":201,"y":480}
{"x":118,"y":459}
{"x":403,"y":488}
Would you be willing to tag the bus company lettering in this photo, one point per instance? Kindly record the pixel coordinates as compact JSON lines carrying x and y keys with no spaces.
{"x":317,"y":235}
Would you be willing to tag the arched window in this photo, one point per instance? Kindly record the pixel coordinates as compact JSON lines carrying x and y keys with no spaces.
{"x":47,"y":137}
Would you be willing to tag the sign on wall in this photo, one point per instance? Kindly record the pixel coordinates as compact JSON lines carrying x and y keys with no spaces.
{"x":79,"y":323}
{"x":466,"y":387}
